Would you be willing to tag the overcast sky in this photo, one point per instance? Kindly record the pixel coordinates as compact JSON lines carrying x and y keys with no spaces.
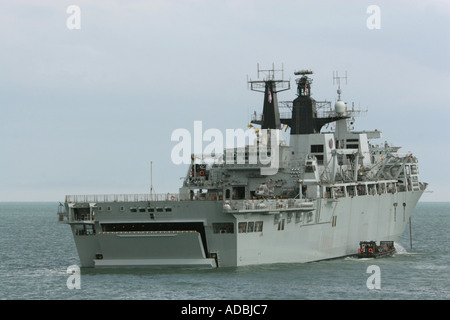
{"x":84,"y":111}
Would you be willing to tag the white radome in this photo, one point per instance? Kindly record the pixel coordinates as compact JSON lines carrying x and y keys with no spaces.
{"x":339,"y":107}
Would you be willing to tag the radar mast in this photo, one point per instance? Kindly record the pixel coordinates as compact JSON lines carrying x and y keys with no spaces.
{"x":270,"y":86}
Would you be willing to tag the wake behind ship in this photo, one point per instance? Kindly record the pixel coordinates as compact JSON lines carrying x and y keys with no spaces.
{"x":328,"y":191}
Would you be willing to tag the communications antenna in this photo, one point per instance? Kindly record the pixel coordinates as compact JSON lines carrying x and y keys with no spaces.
{"x":269,"y":76}
{"x":337,"y":79}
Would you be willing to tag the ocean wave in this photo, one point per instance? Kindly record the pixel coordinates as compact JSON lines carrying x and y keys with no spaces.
{"x":399,"y":250}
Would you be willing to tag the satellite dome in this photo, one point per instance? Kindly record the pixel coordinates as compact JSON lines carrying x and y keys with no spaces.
{"x":339,"y":107}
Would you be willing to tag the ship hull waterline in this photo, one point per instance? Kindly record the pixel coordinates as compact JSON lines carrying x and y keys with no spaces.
{"x":332,"y":229}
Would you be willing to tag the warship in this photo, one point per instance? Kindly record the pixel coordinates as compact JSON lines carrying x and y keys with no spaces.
{"x":317,"y":197}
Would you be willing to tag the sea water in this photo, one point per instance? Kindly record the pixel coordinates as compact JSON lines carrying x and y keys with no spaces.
{"x":37,"y":254}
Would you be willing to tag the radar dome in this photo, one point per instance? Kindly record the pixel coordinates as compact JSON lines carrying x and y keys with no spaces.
{"x":339,"y":107}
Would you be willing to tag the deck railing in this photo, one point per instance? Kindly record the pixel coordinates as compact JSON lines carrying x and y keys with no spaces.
{"x":98,"y":198}
{"x":270,"y":204}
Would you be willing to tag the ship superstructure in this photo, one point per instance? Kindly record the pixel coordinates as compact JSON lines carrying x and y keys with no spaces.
{"x":327,"y":192}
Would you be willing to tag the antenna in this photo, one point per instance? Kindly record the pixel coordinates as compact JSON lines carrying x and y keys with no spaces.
{"x":270,"y":73}
{"x":151,"y":180}
{"x":337,"y":79}
{"x":303,"y":72}
{"x":303,"y":83}
{"x":259,"y":85}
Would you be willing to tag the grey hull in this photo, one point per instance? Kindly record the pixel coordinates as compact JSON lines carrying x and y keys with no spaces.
{"x":333,"y":228}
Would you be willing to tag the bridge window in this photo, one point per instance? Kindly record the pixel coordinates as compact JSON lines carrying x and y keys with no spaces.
{"x":224,"y":227}
{"x":352,"y":143}
{"x":258,"y":226}
{"x":242,"y":227}
{"x":252,"y":226}
{"x":316,"y":148}
{"x":317,"y":151}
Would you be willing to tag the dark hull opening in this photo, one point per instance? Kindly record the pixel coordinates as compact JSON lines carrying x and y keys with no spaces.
{"x":158,"y":226}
